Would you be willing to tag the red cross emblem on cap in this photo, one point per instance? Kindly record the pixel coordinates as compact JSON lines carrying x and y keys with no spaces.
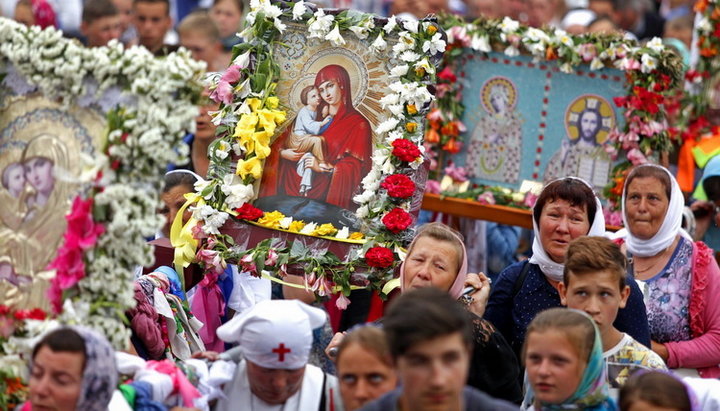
{"x":281,"y":351}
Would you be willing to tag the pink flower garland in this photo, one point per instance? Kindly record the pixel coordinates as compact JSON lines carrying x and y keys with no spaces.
{"x":81,"y":234}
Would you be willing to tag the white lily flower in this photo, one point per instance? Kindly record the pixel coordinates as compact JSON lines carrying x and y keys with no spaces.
{"x":390,"y":25}
{"x":649,"y":63}
{"x":379,"y":44}
{"x":279,"y":25}
{"x":298,"y":10}
{"x":411,"y":25}
{"x":334,"y":37}
{"x":360,"y":32}
{"x":655,"y":44}
{"x":512,"y":51}
{"x":434,"y":45}
{"x":509,"y":25}
{"x":389,"y":99}
{"x":399,"y":71}
{"x":410,"y":56}
{"x":480,"y":43}
{"x":596,"y":64}
{"x":387,"y":125}
{"x":566,"y":68}
{"x":362,"y":212}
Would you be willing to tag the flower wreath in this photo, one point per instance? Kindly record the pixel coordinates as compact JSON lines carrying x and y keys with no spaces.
{"x":148,"y":103}
{"x":651,"y":71}
{"x":247,"y":119}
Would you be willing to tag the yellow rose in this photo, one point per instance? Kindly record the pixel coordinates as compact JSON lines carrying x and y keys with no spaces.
{"x":411,"y":109}
{"x":251,"y":167}
{"x":431,"y":29}
{"x":296,"y":226}
{"x":325,"y":229}
{"x":411,"y":127}
{"x":271,"y":219}
{"x":356,"y":236}
{"x":420,"y":71}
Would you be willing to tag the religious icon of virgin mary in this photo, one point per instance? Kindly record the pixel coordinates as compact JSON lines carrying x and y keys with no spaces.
{"x":346,"y":137}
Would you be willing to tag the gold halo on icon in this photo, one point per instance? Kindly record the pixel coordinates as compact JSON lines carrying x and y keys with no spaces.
{"x":498,"y":84}
{"x":589,"y":102}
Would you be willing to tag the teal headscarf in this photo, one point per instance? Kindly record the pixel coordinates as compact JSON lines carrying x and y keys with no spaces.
{"x":592,"y":393}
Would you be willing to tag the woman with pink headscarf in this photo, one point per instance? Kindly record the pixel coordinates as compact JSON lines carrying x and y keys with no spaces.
{"x":437,"y":258}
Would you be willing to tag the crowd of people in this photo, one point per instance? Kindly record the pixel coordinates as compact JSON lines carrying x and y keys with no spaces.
{"x":591,"y":320}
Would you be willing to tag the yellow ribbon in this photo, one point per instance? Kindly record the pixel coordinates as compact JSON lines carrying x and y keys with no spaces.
{"x":181,"y":236}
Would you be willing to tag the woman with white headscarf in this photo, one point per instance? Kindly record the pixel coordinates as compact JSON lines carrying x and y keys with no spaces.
{"x":566,"y":209}
{"x":679,"y":278}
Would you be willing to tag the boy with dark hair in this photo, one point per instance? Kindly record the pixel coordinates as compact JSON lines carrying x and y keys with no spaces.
{"x":594,"y":282}
{"x":100,"y":23}
{"x":152,"y":21}
{"x":430,"y":339}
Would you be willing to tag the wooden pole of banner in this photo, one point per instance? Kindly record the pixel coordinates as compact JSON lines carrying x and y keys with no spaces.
{"x":472,"y":209}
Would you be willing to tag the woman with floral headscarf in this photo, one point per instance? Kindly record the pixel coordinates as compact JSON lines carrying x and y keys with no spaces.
{"x":680,"y":278}
{"x":73,"y":368}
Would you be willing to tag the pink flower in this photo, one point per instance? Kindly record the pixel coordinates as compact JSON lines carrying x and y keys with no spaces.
{"x":212,"y":260}
{"x":7,"y":326}
{"x":342,"y":302}
{"x":223,"y":93}
{"x":81,"y":228}
{"x":311,"y":282}
{"x":636,"y":157}
{"x":587,"y":51}
{"x":197,"y":232}
{"x":323,"y":288}
{"x":530,"y":199}
{"x":247,"y":264}
{"x":272,"y":257}
{"x":486,"y":198}
{"x":613,"y":217}
{"x":611,"y":151}
{"x":433,"y":187}
{"x":459,"y":34}
{"x":435,"y":115}
{"x":459,"y":174}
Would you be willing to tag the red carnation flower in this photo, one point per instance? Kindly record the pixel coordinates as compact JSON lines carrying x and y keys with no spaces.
{"x":398,"y":186}
{"x":397,"y":220}
{"x":380,"y":257}
{"x":405,"y":150}
{"x":248,"y":212}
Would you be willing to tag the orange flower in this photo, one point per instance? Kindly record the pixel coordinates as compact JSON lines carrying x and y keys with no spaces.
{"x":412,"y":110}
{"x":452,"y":146}
{"x":701,"y":5}
{"x":450,"y":129}
{"x":431,"y":29}
{"x":432,"y":136}
{"x":550,"y":54}
{"x":709,"y":52}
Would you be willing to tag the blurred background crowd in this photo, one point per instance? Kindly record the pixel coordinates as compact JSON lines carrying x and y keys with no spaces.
{"x":208,"y":27}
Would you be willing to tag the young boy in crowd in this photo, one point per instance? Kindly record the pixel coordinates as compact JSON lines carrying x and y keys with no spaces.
{"x":594,"y":282}
{"x":199,"y":34}
{"x":100,"y":23}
